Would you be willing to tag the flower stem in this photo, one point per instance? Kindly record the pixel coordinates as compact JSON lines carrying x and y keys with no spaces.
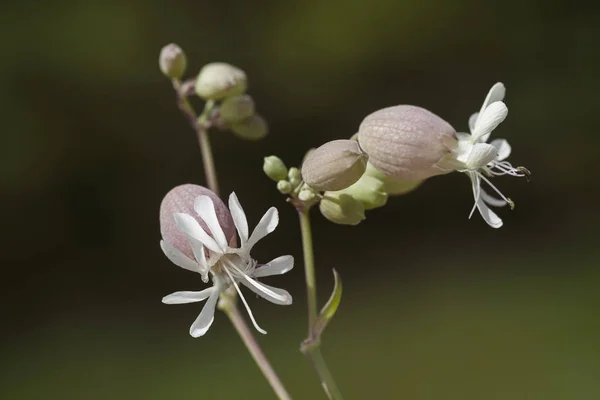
{"x":229,"y":307}
{"x":228,"y":303}
{"x":207,"y":159}
{"x":318,"y":362}
{"x":309,"y":268}
{"x":203,"y":139}
{"x":311,"y":346}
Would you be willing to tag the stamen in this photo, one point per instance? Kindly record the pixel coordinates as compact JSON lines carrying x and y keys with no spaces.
{"x":237,"y":288}
{"x":257,"y":285}
{"x":526,"y":172}
{"x":504,"y":168}
{"x":511,"y":204}
{"x":509,"y":201}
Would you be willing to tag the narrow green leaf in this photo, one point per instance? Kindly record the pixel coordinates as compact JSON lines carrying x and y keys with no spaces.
{"x":328,"y":311}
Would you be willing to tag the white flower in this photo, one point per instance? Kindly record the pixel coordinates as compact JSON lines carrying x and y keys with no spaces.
{"x":481,"y":160}
{"x":228,"y":266}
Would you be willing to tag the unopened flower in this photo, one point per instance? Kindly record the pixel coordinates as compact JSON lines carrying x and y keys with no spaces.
{"x":274,"y":168}
{"x":294,"y":176}
{"x":284,"y":187}
{"x":481,"y":160}
{"x":335,"y":165}
{"x":341,"y":208}
{"x":406,"y":142}
{"x":219,"y":80}
{"x":236,"y":109}
{"x":306,"y":194}
{"x":369,"y":191}
{"x":172,"y":61}
{"x":253,"y":128}
{"x":214,"y":253}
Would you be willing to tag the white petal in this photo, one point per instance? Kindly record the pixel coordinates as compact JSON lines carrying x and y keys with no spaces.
{"x":488,"y":215}
{"x":481,"y":154}
{"x":274,"y":295}
{"x":248,"y":309}
{"x":239,"y":218}
{"x":267,"y":224}
{"x":207,"y":315}
{"x":476,"y":187}
{"x":200,"y":256}
{"x":188,"y":225}
{"x":489,"y":119}
{"x":503,"y":148}
{"x":495,"y":94}
{"x":492,"y":201}
{"x":237,"y":288}
{"x":205,"y":209}
{"x":187,"y":297}
{"x":178,"y":258}
{"x":473,"y":121}
{"x":278,"y":266}
{"x":198,"y":250}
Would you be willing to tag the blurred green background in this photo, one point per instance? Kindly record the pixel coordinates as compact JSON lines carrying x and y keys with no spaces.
{"x":435,"y":306}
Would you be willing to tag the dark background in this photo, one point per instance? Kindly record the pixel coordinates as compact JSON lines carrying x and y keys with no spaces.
{"x":435,"y":306}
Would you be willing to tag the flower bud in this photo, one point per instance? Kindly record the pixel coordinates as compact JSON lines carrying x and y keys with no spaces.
{"x":219,"y":80}
{"x":406,"y":142}
{"x":181,"y":200}
{"x":294,"y":176}
{"x":334,"y":166}
{"x":172,"y":61}
{"x":236,"y":109}
{"x":284,"y":187}
{"x":393,"y":187}
{"x":369,"y":191}
{"x":253,"y":128}
{"x":275,"y":168}
{"x":341,"y":208}
{"x":306,"y":194}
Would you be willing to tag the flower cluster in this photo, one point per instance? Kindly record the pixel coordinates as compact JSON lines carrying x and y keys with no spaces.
{"x":223,"y":87}
{"x":395,"y":149}
{"x":405,"y":145}
{"x":204,"y":242}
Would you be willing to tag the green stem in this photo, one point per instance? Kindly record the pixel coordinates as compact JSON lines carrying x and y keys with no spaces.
{"x":208,"y":160}
{"x":228,"y":305}
{"x":318,"y":362}
{"x":311,"y":346}
{"x":228,"y":300}
{"x":203,"y":139}
{"x":309,"y":268}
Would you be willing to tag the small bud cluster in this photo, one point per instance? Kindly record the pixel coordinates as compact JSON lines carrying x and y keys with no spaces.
{"x":337,"y":176}
{"x":223,"y":87}
{"x":288,"y":180}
